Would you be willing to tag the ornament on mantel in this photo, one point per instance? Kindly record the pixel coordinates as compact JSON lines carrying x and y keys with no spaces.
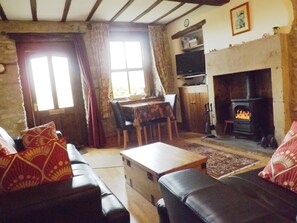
{"x":276,"y":30}
{"x":265,"y":35}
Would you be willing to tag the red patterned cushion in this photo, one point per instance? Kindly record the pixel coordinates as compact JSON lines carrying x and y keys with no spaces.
{"x":39,"y":135}
{"x":6,"y":147}
{"x":282,"y":167}
{"x":35,"y":166}
{"x":3,"y":152}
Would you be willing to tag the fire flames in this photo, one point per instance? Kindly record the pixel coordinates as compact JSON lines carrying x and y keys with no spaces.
{"x":241,"y":114}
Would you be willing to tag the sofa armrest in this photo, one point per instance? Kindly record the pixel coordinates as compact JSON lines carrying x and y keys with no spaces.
{"x":19,"y":146}
{"x":192,"y":196}
{"x":19,"y":142}
{"x":64,"y":201}
{"x":162,"y":211}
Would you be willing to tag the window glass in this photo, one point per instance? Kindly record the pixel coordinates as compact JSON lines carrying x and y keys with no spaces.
{"x":127,"y":71}
{"x":137,"y":84}
{"x":133,"y":54}
{"x":120,"y":84}
{"x":42,"y":84}
{"x":62,"y":81}
{"x":117,"y":53}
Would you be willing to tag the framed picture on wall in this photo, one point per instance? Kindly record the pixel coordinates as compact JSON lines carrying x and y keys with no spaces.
{"x":240,"y":19}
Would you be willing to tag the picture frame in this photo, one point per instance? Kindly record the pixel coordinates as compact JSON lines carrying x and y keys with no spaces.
{"x":240,"y":19}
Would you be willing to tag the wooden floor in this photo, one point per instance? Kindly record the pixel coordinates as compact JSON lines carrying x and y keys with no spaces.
{"x":142,"y":211}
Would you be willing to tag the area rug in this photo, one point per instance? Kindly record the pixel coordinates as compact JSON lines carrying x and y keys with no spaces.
{"x":221,"y":164}
{"x":103,"y":160}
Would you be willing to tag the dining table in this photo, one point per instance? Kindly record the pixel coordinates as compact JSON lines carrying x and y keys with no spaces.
{"x":143,"y":112}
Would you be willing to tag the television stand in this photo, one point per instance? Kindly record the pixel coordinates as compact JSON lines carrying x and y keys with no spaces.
{"x":194,"y":75}
{"x":190,"y":76}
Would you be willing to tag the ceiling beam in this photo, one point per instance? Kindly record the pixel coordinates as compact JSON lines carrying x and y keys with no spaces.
{"x":34,"y":10}
{"x":147,"y":10}
{"x":122,"y":10}
{"x":203,"y":2}
{"x":2,"y":14}
{"x":66,"y":10}
{"x":95,"y":7}
{"x":169,"y":12}
{"x":186,"y":13}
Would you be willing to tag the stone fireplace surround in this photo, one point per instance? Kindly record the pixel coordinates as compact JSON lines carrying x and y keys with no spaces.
{"x":265,"y":53}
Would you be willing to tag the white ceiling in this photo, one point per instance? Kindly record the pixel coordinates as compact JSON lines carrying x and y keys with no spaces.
{"x":80,"y":10}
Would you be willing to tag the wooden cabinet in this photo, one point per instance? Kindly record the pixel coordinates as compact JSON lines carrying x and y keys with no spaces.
{"x":193,"y":100}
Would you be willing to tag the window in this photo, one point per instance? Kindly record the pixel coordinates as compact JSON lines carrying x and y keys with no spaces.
{"x":127,"y":68}
{"x":41,"y":73}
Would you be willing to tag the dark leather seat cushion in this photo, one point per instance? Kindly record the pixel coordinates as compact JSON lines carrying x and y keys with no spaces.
{"x":278,"y":199}
{"x":191,"y":196}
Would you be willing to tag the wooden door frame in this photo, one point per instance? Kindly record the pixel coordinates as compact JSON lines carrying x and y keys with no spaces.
{"x":20,"y":39}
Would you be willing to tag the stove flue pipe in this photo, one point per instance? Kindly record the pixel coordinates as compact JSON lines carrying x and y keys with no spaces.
{"x":250,"y":86}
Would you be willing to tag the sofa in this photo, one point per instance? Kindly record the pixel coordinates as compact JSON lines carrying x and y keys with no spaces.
{"x":192,"y":196}
{"x":82,"y":198}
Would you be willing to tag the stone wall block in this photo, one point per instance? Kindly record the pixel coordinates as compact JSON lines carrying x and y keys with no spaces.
{"x":12,"y":116}
{"x":293,"y":63}
{"x":8,"y":54}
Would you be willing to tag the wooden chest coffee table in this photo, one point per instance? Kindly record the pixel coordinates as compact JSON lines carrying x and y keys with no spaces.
{"x":144,"y":165}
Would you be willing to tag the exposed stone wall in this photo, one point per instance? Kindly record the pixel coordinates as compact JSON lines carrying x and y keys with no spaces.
{"x":42,"y":27}
{"x":12,"y":117}
{"x":292,"y":46}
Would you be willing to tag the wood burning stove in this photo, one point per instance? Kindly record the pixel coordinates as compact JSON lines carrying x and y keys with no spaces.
{"x":250,"y":115}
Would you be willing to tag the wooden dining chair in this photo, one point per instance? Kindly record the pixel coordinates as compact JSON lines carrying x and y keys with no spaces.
{"x":171,"y":98}
{"x":122,"y":124}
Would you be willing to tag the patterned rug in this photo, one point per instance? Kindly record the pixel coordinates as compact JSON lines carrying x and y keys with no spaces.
{"x":220,"y":163}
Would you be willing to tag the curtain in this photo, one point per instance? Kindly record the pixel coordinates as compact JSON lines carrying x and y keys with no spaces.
{"x":162,"y":68}
{"x":96,"y":136}
{"x":99,"y":38}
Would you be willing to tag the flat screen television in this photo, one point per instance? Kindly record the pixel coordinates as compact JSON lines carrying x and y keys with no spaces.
{"x":190,"y":63}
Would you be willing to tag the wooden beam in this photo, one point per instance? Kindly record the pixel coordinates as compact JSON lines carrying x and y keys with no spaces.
{"x":66,"y":10}
{"x":166,"y":14}
{"x":189,"y":29}
{"x":186,"y":13}
{"x":34,"y":10}
{"x":2,"y":14}
{"x":203,"y":2}
{"x":147,"y":10}
{"x":96,"y":5}
{"x":184,"y":1}
{"x":122,"y":10}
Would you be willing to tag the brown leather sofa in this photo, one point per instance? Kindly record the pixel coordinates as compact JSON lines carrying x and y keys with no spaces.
{"x":191,"y":196}
{"x":83,"y":198}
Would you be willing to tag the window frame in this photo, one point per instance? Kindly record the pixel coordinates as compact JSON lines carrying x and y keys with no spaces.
{"x":52,"y":79}
{"x":143,"y":38}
